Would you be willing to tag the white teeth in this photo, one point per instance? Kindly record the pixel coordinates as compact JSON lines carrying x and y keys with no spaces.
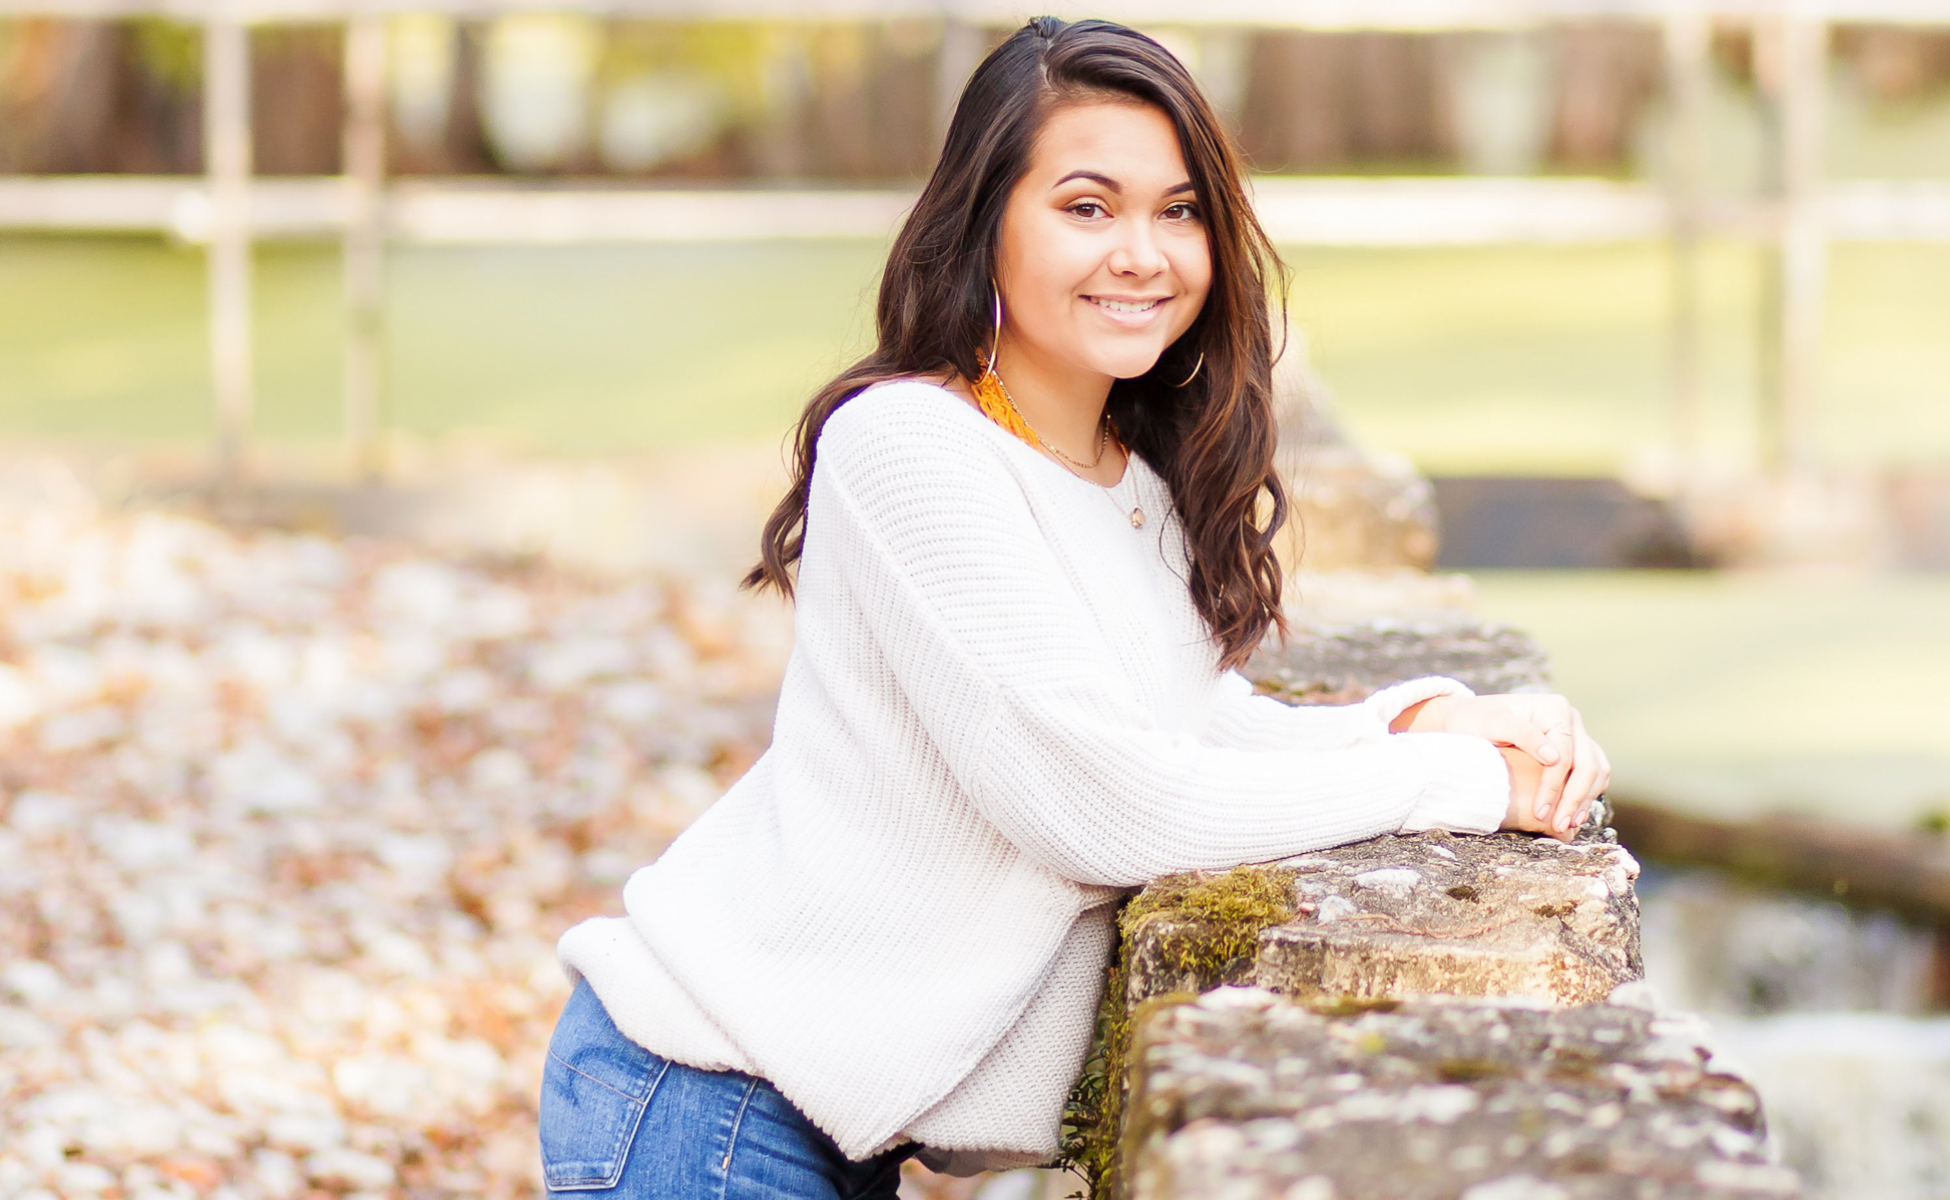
{"x":1124,"y":306}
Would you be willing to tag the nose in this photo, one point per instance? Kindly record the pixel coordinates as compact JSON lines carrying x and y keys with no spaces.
{"x":1137,"y":254}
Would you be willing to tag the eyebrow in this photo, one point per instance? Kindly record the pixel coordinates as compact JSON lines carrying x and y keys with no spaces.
{"x":1115,"y":186}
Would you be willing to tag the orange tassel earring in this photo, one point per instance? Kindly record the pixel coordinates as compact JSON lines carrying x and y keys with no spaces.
{"x":998,"y":407}
{"x":995,"y":400}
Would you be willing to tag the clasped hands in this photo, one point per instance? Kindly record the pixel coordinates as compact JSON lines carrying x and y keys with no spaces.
{"x":1556,"y":769}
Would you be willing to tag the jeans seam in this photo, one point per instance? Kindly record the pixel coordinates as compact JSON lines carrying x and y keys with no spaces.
{"x":628,"y":1142}
{"x":636,"y":1126}
{"x":731,"y":1143}
{"x":643,"y":1099}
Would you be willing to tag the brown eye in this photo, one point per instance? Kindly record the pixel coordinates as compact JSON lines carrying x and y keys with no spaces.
{"x":1087,"y":209}
{"x":1184,"y":211}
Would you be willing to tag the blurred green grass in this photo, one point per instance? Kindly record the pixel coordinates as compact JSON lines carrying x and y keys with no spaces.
{"x":562,"y":350}
{"x":1513,"y":359}
{"x":1741,"y":694}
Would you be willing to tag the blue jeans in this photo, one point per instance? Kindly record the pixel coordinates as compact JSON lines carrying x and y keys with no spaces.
{"x":618,"y":1121}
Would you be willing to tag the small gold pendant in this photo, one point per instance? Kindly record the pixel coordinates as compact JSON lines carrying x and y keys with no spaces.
{"x":1137,"y":518}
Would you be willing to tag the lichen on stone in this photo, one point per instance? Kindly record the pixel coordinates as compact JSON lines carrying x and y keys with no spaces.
{"x":1244,"y":1092}
{"x":1207,"y":924}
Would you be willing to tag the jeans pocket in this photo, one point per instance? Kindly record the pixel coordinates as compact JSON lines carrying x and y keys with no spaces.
{"x":595,"y":1085}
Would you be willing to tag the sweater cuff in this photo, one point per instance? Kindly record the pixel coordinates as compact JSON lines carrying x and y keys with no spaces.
{"x":1392,"y":701}
{"x":1467,"y":788}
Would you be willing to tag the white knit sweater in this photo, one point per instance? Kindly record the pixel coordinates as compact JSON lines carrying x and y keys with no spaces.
{"x":1001,"y":710}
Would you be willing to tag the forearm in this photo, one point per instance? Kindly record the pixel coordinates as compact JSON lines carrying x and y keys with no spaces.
{"x":1103,"y":804}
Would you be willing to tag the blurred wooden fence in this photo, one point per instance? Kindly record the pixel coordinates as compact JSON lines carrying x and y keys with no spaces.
{"x":227,"y":208}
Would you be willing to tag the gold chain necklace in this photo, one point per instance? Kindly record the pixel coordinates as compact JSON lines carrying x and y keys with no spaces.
{"x":992,"y":395}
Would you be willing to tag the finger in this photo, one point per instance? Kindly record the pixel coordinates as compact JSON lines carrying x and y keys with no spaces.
{"x":1550,"y":789}
{"x":1570,"y":816}
{"x":1582,"y":784}
{"x":1562,"y":725}
{"x":1562,"y":758}
{"x":1529,"y":736}
{"x":1577,"y":793}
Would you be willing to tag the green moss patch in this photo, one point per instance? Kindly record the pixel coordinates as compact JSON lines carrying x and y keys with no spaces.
{"x":1204,"y":924}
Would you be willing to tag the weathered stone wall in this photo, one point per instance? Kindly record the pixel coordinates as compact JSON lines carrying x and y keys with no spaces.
{"x":1243,"y":1093}
{"x":1344,"y":664}
{"x":1430,"y":1017}
{"x":1352,"y":509}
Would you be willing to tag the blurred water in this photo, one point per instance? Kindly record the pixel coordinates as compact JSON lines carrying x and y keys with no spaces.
{"x":1858,"y":1103}
{"x":1717,"y":948}
{"x":1819,"y":1006}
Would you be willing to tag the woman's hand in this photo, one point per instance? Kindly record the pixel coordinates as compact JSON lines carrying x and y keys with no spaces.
{"x":1526,"y":776}
{"x":1570,"y":769}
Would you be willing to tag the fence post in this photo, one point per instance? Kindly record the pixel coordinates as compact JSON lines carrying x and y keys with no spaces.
{"x":1688,"y":37}
{"x":364,"y":246}
{"x":1803,"y":236}
{"x":227,"y":165}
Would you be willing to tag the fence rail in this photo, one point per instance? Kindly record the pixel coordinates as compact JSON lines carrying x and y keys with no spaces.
{"x":1410,"y":211}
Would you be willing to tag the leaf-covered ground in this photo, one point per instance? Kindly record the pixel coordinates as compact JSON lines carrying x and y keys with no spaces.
{"x":288,"y":827}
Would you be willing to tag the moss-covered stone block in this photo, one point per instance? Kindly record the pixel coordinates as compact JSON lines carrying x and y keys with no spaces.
{"x":1425,"y":915}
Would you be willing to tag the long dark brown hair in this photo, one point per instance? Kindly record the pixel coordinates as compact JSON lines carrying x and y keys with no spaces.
{"x":1212,"y":439}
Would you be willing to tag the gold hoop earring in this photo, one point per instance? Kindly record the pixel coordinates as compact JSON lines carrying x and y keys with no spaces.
{"x":995,"y":346}
{"x":1196,"y":368}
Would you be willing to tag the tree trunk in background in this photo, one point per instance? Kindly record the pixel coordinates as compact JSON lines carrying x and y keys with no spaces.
{"x":1293,"y":118}
{"x":838,"y":119}
{"x":900,"y":94}
{"x":98,"y":96}
{"x":66,"y":84}
{"x":1896,"y":64}
{"x":868,"y":108}
{"x":1318,"y":101}
{"x":466,"y":131}
{"x":1606,"y":75}
{"x":1397,"y":106}
{"x":297,"y":99}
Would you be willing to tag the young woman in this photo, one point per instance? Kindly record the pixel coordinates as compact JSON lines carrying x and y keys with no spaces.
{"x":1031,"y":535}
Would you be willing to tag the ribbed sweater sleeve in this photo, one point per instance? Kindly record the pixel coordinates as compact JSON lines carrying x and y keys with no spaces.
{"x":1248,"y":721}
{"x":1012,"y":675}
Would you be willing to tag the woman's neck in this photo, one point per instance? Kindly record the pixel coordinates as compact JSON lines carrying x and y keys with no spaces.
{"x":1065,"y":406}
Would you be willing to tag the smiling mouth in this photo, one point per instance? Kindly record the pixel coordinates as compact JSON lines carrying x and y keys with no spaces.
{"x":1126,"y":306}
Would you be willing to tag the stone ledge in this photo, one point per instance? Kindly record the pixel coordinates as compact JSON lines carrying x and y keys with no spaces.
{"x":1242,"y":1093}
{"x":1343,"y":664}
{"x":1428,"y":914}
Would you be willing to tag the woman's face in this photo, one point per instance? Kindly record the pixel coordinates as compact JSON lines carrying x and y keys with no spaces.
{"x":1103,"y":260}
